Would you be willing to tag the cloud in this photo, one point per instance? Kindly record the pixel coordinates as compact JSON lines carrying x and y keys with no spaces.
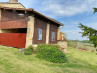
{"x":74,"y":35}
{"x":60,"y":8}
{"x":92,"y":25}
{"x":67,"y":7}
{"x":72,"y":31}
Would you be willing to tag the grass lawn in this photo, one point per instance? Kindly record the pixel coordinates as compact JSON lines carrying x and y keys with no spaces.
{"x":11,"y":61}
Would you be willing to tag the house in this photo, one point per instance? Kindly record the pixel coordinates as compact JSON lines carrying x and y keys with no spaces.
{"x":21,"y":27}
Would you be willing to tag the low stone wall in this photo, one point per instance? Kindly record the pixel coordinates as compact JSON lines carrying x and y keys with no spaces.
{"x":63,"y":45}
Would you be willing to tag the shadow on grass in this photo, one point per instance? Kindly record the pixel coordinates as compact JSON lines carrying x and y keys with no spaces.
{"x":78,"y":64}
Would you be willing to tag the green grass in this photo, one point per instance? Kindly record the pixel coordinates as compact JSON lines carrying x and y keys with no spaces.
{"x":11,"y":61}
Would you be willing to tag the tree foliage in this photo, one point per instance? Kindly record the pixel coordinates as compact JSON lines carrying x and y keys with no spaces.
{"x":90,"y":32}
{"x":95,"y":10}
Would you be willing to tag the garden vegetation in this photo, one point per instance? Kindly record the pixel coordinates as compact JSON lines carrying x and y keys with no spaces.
{"x":51,"y":53}
{"x":29,"y":50}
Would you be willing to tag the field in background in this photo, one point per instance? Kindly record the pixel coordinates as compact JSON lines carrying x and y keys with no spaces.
{"x":87,"y":46}
{"x":77,"y":45}
{"x":72,"y":44}
{"x":11,"y":61}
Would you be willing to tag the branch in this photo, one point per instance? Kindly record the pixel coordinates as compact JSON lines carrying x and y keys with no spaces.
{"x":90,"y":33}
{"x":95,"y":10}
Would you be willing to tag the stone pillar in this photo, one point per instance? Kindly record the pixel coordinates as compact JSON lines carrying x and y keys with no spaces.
{"x":0,"y":14}
{"x":0,"y":21}
{"x":47,"y":33}
{"x":58,"y":34}
{"x":30,"y":31}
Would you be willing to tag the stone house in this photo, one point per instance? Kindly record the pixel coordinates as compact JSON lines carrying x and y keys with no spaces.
{"x":21,"y":27}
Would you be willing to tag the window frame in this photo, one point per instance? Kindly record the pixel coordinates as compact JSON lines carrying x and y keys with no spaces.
{"x":40,"y":34}
{"x":52,"y":36}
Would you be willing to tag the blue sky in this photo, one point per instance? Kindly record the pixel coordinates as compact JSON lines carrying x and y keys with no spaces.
{"x":68,"y":12}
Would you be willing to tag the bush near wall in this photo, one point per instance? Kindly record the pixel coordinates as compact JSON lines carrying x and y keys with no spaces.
{"x":50,"y":53}
{"x":29,"y":50}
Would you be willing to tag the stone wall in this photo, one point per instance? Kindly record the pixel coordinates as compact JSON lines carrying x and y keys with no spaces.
{"x":62,"y":44}
{"x":47,"y":33}
{"x":0,"y":20}
{"x":13,"y":5}
{"x":30,"y":31}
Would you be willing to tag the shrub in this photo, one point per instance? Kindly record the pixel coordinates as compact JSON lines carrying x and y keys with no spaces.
{"x":50,"y":53}
{"x":30,"y":47}
{"x":92,"y":50}
{"x":28,"y":51}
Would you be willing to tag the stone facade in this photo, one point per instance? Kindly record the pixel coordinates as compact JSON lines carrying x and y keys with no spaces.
{"x":13,"y":5}
{"x":30,"y":31}
{"x":0,"y":20}
{"x":47,"y":33}
{"x":62,"y":44}
{"x":58,"y":34}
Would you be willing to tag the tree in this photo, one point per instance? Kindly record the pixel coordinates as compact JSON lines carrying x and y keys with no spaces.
{"x":63,"y":34}
{"x":89,"y":32}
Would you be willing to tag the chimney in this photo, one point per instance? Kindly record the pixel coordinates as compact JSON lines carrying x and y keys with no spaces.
{"x":13,"y":1}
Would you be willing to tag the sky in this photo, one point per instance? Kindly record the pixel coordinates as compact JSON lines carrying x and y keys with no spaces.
{"x":68,"y":12}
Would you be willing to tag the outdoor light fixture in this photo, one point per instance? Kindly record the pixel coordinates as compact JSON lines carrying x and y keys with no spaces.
{"x":21,"y":15}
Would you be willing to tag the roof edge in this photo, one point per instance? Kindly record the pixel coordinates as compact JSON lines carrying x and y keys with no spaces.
{"x":34,"y":11}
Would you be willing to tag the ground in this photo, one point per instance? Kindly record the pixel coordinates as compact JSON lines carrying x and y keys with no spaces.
{"x":87,"y":46}
{"x":11,"y":61}
{"x":82,"y":45}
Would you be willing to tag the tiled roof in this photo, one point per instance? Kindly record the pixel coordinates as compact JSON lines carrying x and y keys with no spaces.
{"x":9,"y":8}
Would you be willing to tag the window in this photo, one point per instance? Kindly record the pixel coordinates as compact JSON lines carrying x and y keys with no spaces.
{"x":53,"y":36}
{"x":39,"y":34}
